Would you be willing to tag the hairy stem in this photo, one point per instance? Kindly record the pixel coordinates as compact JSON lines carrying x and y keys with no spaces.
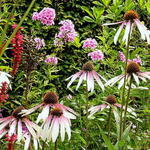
{"x":55,"y":147}
{"x":124,"y":84}
{"x":109,"y":121}
{"x":126,"y":105}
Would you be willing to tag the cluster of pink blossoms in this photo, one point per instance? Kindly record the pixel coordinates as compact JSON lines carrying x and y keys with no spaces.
{"x":39,"y":43}
{"x":67,"y":32}
{"x":46,"y":16}
{"x":90,"y":43}
{"x":51,"y":60}
{"x":96,"y":55}
{"x":123,"y":58}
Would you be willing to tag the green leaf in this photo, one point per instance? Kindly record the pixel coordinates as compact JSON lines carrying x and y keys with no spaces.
{"x":88,"y":19}
{"x":129,"y":5}
{"x":148,"y":6}
{"x":106,"y":140}
{"x":126,"y":132}
{"x":97,"y":11}
{"x":106,"y":2}
{"x":86,"y":9}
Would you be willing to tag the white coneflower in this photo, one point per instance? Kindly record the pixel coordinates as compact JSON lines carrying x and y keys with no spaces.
{"x":131,"y":18}
{"x":89,"y":74}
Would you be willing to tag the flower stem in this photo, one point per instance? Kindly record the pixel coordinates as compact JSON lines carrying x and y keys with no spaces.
{"x":55,"y":147}
{"x":123,"y":89}
{"x":43,"y":145}
{"x":126,"y":105}
{"x":109,"y":121}
{"x":16,"y":29}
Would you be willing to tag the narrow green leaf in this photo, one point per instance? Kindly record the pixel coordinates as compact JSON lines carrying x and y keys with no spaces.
{"x":88,"y":19}
{"x":86,"y":9}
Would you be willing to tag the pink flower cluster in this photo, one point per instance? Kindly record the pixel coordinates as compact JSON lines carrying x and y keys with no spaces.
{"x":90,"y":43}
{"x":39,"y":43}
{"x":3,"y":92}
{"x":96,"y":55}
{"x":67,"y":32}
{"x":46,"y":16}
{"x":123,"y":58}
{"x":51,"y":60}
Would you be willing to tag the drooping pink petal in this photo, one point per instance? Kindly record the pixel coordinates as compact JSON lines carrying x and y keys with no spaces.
{"x":12,"y":128}
{"x":27,"y":141}
{"x":67,"y":127}
{"x":118,"y":33}
{"x":127,"y":32}
{"x":80,"y":80}
{"x":4,"y":124}
{"x":6,"y":118}
{"x":44,"y":114}
{"x":98,"y":80}
{"x":136,"y":78}
{"x":90,"y":81}
{"x":74,"y":77}
{"x":19,"y":132}
{"x":69,"y":115}
{"x":117,"y":105}
{"x":106,"y":24}
{"x":55,"y":129}
{"x":62,"y":129}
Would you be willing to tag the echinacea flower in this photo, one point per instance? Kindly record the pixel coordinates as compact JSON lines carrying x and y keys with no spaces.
{"x":50,"y":100}
{"x":89,"y":74}
{"x":111,"y":99}
{"x":57,"y":122}
{"x":133,"y":71}
{"x":13,"y":125}
{"x":4,"y":77}
{"x":131,"y":18}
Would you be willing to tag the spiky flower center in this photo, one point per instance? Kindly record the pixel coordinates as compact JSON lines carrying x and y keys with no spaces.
{"x":17,"y":111}
{"x":133,"y":67}
{"x":88,"y":66}
{"x":111,"y":99}
{"x":130,"y":15}
{"x":56,"y":112}
{"x":50,"y":98}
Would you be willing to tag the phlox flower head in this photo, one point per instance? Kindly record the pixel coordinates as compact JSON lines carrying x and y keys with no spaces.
{"x":96,"y":55}
{"x":39,"y":43}
{"x":89,"y":74}
{"x":90,"y":43}
{"x":51,"y":60}
{"x":110,"y":100}
{"x":15,"y":124}
{"x":131,"y":18}
{"x":46,"y":16}
{"x":136,"y":60}
{"x":67,"y":32}
{"x":133,"y":72}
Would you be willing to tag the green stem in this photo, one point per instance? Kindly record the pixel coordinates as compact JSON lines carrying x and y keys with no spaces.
{"x":43,"y":145}
{"x":109,"y":121}
{"x":6,"y":26}
{"x":17,"y":28}
{"x":86,"y":125}
{"x":55,"y":147}
{"x":124,"y":84}
{"x":126,"y":105}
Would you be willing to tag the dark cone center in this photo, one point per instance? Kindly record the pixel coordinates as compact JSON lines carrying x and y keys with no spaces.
{"x":111,"y":99}
{"x":133,"y":67}
{"x":88,"y":66}
{"x":56,"y":112}
{"x":17,"y":111}
{"x":50,"y":98}
{"x":130,"y":15}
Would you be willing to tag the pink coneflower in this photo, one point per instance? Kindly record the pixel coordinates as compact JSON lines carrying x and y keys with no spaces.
{"x":13,"y":125}
{"x":133,"y":71}
{"x":50,"y":100}
{"x":130,"y":19}
{"x":89,"y":74}
{"x":57,"y":122}
{"x":90,"y":43}
{"x":96,"y":55}
{"x":111,"y":99}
